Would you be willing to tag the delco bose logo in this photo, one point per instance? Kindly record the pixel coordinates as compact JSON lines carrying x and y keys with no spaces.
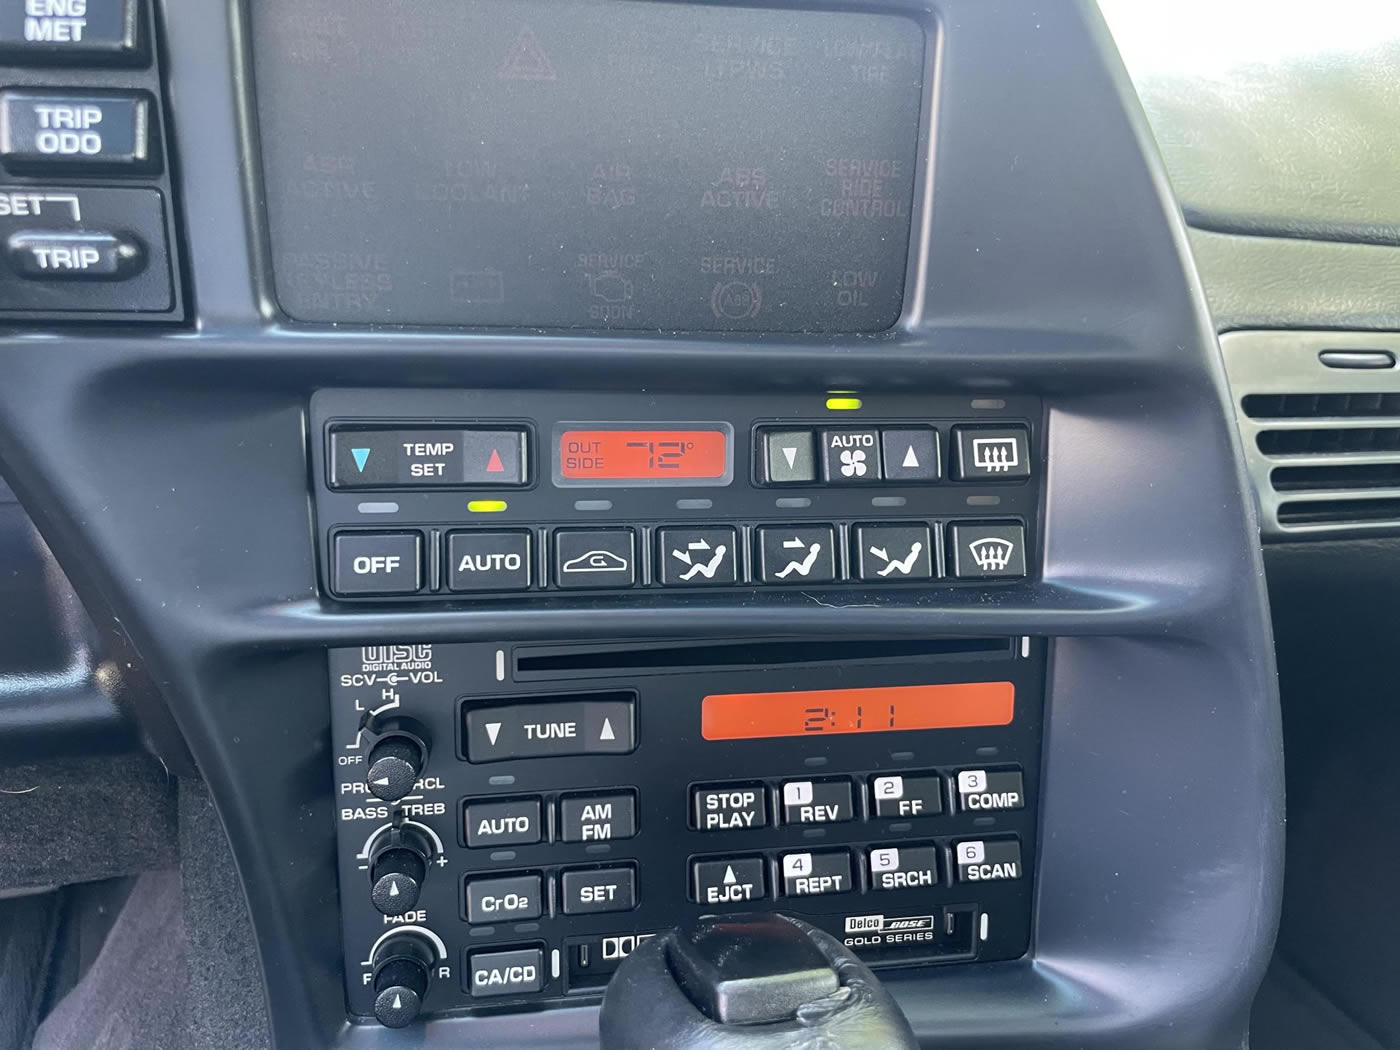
{"x":880,"y":924}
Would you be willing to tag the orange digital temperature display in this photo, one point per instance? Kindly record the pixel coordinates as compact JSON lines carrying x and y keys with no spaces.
{"x":826,"y":712}
{"x":644,"y":455}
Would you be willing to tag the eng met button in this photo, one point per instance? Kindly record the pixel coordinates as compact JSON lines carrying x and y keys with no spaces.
{"x":45,"y":31}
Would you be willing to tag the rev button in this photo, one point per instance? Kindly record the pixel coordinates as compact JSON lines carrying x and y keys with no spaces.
{"x":817,"y":802}
{"x":602,"y":726}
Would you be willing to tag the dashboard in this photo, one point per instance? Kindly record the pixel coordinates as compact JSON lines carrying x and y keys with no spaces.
{"x":573,"y":468}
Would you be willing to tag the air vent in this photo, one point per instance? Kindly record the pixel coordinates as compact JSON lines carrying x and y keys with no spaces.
{"x":1322,"y":444}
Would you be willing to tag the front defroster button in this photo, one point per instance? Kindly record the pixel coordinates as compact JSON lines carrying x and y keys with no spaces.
{"x":517,"y":972}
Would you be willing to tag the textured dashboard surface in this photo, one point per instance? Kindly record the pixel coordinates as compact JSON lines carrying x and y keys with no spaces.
{"x":1272,"y":120}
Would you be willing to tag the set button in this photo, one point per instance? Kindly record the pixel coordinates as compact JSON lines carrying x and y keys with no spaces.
{"x":598,"y":890}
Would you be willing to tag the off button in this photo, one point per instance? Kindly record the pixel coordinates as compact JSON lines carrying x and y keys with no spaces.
{"x":377,"y":563}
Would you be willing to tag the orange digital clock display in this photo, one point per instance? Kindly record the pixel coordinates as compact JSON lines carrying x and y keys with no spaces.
{"x":826,"y":712}
{"x":644,"y":455}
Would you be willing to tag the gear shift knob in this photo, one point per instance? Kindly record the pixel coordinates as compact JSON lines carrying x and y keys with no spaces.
{"x":749,"y":982}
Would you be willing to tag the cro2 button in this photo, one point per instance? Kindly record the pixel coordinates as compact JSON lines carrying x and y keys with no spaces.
{"x":378,"y":563}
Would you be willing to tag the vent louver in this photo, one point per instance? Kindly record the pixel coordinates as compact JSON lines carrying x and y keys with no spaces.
{"x":1322,"y":444}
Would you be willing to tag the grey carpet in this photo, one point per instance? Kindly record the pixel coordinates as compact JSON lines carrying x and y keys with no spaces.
{"x":132,"y":997}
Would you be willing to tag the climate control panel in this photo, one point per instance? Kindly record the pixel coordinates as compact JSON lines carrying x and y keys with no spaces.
{"x":471,"y":495}
{"x":513,"y":819}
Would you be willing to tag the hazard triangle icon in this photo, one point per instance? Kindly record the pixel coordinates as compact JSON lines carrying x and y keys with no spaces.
{"x":527,"y":59}
{"x":494,"y":464}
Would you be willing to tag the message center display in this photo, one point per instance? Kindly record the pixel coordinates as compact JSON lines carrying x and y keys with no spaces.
{"x":588,"y":163}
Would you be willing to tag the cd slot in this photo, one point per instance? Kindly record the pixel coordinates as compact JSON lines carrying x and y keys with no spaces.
{"x":607,"y":661}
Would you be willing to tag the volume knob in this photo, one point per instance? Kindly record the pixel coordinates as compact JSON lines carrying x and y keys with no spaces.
{"x":395,"y":763}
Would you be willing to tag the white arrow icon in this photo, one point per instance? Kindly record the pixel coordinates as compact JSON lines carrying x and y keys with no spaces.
{"x":393,"y":889}
{"x":607,"y":733}
{"x":382,"y":782}
{"x":911,"y":460}
{"x":790,"y":454}
{"x":398,"y":1002}
{"x":493,"y":730}
{"x":729,"y":877}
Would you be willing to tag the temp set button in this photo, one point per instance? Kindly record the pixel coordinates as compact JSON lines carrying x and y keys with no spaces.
{"x":432,"y":457}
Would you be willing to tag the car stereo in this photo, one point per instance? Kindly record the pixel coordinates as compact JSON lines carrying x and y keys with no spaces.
{"x":696,"y":166}
{"x":514,"y":818}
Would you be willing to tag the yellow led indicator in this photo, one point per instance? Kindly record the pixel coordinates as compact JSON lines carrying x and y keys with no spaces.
{"x":486,"y":506}
{"x":843,"y":404}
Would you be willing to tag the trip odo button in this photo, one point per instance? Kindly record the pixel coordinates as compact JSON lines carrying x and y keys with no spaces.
{"x":49,"y":131}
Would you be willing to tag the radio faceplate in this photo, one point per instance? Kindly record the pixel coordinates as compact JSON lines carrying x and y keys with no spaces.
{"x":574,"y":799}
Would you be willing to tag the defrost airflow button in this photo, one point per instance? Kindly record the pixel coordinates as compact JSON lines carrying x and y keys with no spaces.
{"x":990,"y":551}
